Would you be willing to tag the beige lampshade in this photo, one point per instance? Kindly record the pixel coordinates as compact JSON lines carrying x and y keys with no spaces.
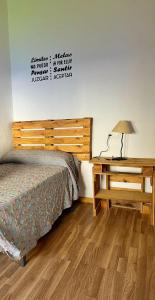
{"x":123,"y":127}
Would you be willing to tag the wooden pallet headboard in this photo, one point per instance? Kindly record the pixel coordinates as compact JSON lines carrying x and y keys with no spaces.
{"x":70,"y":135}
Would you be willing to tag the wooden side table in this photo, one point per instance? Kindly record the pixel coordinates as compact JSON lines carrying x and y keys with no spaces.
{"x":101,"y":166}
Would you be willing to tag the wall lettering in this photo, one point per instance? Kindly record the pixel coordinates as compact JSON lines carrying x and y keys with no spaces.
{"x":57,"y":66}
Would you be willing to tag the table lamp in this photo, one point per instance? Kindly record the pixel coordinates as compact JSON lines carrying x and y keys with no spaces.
{"x":123,"y":127}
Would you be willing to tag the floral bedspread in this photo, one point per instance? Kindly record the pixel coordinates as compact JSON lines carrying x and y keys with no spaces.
{"x":32,"y":197}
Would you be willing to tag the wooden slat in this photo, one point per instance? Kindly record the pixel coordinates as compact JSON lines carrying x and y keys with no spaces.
{"x":126,"y":178}
{"x":29,"y":147}
{"x":52,"y":123}
{"x":68,"y":140}
{"x":68,"y":132}
{"x":18,"y":141}
{"x":107,"y":173}
{"x":28,"y":133}
{"x":68,"y":148}
{"x":115,"y":188}
{"x":71,"y":149}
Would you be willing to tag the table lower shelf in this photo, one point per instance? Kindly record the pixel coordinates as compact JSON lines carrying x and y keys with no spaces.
{"x":133,"y":196}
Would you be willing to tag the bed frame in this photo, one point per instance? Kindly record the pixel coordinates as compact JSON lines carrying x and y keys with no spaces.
{"x":69,"y":135}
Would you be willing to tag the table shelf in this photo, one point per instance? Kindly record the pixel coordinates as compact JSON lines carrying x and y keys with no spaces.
{"x":129,"y":196}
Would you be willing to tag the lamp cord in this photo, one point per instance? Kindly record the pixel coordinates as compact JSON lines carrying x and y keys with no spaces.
{"x":108,"y":139}
{"x":121,"y":144}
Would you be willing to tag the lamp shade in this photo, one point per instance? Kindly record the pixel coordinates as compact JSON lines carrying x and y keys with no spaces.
{"x":123,"y":127}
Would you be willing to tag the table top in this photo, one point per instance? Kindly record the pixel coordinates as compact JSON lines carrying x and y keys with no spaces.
{"x":129,"y":162}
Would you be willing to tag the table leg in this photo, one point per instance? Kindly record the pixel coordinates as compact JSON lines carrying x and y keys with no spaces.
{"x":96,"y":202}
{"x":108,"y":188}
{"x":153,"y":199}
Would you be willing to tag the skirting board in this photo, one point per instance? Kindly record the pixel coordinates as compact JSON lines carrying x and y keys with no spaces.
{"x":86,"y":200}
{"x":146,"y":209}
{"x":90,"y":201}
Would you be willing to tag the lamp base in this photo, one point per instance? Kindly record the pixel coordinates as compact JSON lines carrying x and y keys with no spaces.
{"x":119,"y":158}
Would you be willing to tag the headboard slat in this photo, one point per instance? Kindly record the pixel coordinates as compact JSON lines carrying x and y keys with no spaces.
{"x":70,"y":135}
{"x":52,"y":123}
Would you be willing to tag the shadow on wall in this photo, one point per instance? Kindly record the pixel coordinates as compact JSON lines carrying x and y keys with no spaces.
{"x":82,"y":191}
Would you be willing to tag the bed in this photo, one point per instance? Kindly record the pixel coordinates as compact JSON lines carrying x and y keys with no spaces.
{"x":39,"y":179}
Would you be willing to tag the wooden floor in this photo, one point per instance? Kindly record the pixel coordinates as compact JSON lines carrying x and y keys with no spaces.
{"x":111,"y":256}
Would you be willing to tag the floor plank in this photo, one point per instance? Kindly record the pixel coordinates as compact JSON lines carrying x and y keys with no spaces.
{"x":110,"y":256}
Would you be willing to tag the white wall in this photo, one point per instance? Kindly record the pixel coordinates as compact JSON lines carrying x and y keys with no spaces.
{"x":5,"y":82}
{"x":113,"y":48}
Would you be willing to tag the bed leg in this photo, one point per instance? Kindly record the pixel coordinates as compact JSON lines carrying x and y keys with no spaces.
{"x":22,"y":262}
